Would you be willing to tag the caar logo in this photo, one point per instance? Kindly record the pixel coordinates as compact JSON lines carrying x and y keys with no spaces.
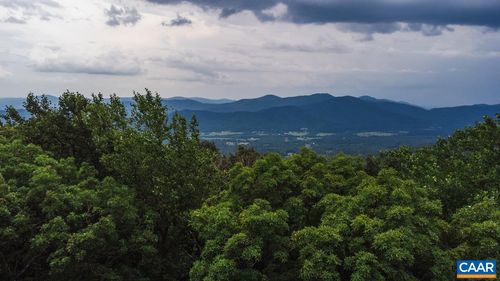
{"x":477,"y":269}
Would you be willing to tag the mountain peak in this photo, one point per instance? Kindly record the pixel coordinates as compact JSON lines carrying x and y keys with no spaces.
{"x":368,"y":98}
{"x":200,"y":99}
{"x":270,"y":96}
{"x":322,"y":95}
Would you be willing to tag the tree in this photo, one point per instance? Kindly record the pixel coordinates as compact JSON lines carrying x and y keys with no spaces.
{"x":96,"y":189}
{"x":386,"y":230}
{"x":248,"y":229}
{"x":60,"y":129}
{"x":59,"y":222}
{"x":161,"y":164}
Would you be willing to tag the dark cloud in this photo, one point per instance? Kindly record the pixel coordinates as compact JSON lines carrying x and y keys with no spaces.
{"x":228,"y":7}
{"x":435,"y":14}
{"x":227,"y":12}
{"x":429,"y":30}
{"x":179,"y":21}
{"x":122,"y":16}
{"x":368,"y":30}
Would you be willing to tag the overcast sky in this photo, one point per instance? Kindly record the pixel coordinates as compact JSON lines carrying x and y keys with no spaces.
{"x":427,"y":52}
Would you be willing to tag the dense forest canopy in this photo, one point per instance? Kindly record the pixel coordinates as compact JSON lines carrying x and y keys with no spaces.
{"x":89,"y":191}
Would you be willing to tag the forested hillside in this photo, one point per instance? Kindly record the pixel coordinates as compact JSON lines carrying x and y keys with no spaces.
{"x":317,"y":112}
{"x":89,"y":191}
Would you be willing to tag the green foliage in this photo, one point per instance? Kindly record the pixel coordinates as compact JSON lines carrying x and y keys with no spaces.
{"x":89,"y":191}
{"x":58,"y":222}
{"x":464,"y":163}
{"x":119,"y":206}
{"x":403,"y":215}
{"x":244,"y":155}
{"x":478,"y":229}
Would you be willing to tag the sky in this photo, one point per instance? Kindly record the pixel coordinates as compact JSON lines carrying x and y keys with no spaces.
{"x":426,"y":52}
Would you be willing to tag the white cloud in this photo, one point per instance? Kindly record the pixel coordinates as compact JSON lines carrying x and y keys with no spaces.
{"x":276,"y":12}
{"x":4,"y":73}
{"x":19,"y":11}
{"x":239,"y":56}
{"x":107,"y":64}
{"x":15,"y":20}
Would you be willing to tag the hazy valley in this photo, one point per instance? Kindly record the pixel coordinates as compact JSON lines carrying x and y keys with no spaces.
{"x":322,"y":122}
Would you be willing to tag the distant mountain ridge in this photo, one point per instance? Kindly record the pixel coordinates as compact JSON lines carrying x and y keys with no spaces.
{"x":317,"y":112}
{"x":202,"y":100}
{"x":324,"y":112}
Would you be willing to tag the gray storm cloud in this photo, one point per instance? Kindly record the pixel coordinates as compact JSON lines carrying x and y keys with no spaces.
{"x":428,"y":16}
{"x":384,"y":48}
{"x":178,"y":21}
{"x":122,"y":16}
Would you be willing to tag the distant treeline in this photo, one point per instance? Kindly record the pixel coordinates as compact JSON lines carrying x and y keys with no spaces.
{"x":89,"y":191}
